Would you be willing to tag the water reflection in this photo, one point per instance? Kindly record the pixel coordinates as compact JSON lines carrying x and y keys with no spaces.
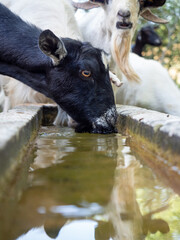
{"x":90,"y":187}
{"x":71,"y":211}
{"x":125,"y":213}
{"x":85,"y":229}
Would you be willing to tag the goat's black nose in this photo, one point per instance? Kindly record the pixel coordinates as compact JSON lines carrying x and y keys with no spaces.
{"x":124,"y":14}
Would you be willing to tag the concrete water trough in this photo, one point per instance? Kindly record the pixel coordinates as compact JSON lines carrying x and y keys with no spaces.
{"x":18,"y":129}
{"x":41,"y":169}
{"x":153,"y":135}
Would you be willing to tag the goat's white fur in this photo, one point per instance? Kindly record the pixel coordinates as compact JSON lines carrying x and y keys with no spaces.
{"x":2,"y":96}
{"x":98,"y":26}
{"x":56,"y":15}
{"x":156,"y":89}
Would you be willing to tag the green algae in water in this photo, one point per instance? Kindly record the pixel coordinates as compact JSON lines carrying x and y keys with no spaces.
{"x":91,"y":187}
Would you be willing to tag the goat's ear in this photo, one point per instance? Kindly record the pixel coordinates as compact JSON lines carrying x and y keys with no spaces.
{"x":37,"y":81}
{"x":147,"y":14}
{"x":85,"y":5}
{"x":52,"y":46}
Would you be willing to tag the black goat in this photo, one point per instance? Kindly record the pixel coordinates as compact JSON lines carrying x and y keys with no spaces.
{"x":70,"y":72}
{"x":146,"y":35}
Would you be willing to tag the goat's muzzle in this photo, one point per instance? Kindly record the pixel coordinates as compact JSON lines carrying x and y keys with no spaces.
{"x":157,"y":42}
{"x":104,"y":124}
{"x":124,"y":14}
{"x":123,"y":20}
{"x":124,"y":25}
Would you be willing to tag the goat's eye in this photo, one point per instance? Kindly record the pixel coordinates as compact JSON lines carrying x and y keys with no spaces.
{"x":86,"y":73}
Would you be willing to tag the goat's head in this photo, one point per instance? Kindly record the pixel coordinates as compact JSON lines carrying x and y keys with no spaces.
{"x":85,"y":92}
{"x":147,"y":35}
{"x":125,"y":11}
{"x":76,"y":79}
{"x":121,"y":21}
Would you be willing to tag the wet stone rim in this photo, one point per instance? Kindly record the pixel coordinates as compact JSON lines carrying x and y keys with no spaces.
{"x":158,"y":128}
{"x":17,"y":127}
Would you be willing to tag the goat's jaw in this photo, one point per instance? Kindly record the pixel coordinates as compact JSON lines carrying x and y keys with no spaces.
{"x":124,"y":25}
{"x":104,"y":124}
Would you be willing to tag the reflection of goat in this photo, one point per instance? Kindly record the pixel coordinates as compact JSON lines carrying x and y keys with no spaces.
{"x":124,"y":210}
{"x":146,"y":35}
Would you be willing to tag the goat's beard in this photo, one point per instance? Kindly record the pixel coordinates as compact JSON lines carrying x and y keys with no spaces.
{"x":120,"y":48}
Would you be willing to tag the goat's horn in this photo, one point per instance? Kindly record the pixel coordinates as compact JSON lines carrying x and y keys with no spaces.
{"x":148,"y":15}
{"x":85,"y":5}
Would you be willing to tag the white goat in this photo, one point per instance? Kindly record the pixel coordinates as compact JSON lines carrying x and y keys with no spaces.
{"x":111,"y":27}
{"x":156,"y":89}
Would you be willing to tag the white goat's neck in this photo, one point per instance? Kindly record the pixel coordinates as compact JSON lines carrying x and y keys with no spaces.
{"x":57,"y":15}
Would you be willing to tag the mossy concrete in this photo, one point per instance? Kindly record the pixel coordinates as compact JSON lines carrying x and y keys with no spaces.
{"x":158,"y":128}
{"x":17,"y":127}
{"x":154,"y":138}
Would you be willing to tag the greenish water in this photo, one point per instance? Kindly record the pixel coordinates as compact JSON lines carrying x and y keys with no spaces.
{"x":88,"y":187}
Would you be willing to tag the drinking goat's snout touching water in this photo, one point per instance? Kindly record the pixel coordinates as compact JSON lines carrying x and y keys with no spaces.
{"x":72,"y":73}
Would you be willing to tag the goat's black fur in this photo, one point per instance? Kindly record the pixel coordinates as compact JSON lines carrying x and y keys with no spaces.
{"x":86,"y":100}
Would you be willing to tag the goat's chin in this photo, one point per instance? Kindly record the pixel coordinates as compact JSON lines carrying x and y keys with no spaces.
{"x":120,"y":48}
